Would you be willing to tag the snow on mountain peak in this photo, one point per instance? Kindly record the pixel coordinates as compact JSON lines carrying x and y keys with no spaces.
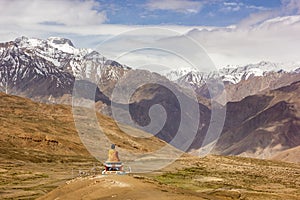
{"x":238,"y":73}
{"x":266,"y":66}
{"x":173,"y":75}
{"x":28,"y":42}
{"x":232,"y":74}
{"x":55,"y":59}
{"x":63,"y":44}
{"x":60,"y":41}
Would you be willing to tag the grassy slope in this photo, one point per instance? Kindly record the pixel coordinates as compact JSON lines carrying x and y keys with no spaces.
{"x":235,"y":178}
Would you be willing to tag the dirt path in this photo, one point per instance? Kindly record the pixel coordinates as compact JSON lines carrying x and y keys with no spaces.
{"x":117,"y":187}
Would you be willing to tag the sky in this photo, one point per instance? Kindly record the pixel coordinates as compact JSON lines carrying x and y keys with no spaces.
{"x":179,"y":32}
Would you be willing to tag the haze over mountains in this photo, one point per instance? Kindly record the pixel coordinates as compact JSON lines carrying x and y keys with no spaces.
{"x":262,"y":125}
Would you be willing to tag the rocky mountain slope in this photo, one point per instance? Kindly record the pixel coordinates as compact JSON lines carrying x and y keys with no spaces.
{"x":262,"y":125}
{"x":45,"y":70}
{"x":259,"y":126}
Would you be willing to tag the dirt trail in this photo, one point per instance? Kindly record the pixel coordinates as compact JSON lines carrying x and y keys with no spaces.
{"x":117,"y":187}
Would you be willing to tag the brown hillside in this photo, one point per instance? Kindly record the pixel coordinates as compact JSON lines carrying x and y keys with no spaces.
{"x":262,"y":125}
{"x":290,"y":155}
{"x":51,"y":129}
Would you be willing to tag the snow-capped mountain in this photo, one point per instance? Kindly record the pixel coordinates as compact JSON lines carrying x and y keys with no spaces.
{"x":229,"y":74}
{"x":38,"y":68}
{"x":174,"y":75}
{"x":46,"y":70}
{"x":34,"y":67}
{"x":236,"y":74}
{"x":239,"y":81}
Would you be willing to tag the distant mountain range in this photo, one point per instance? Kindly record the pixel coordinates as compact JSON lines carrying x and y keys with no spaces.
{"x":55,"y":62}
{"x":274,"y":75}
{"x":230,"y":74}
{"x":262,"y":117}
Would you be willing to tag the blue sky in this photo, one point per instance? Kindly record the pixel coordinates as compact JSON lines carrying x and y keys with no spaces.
{"x":191,"y":13}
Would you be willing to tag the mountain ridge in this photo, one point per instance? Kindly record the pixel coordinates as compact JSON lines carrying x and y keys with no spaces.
{"x":265,"y":125}
{"x":46,"y":71}
{"x":51,"y":67}
{"x":239,"y":81}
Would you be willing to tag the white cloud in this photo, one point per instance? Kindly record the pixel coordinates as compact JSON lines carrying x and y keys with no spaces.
{"x":67,"y":12}
{"x":290,"y":6}
{"x":235,"y":6}
{"x":230,"y":3}
{"x":257,"y":18}
{"x":230,"y":8}
{"x":274,"y":40}
{"x":260,"y":8}
{"x":39,"y":18}
{"x":271,"y":35}
{"x":155,"y":46}
{"x":182,"y":6}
